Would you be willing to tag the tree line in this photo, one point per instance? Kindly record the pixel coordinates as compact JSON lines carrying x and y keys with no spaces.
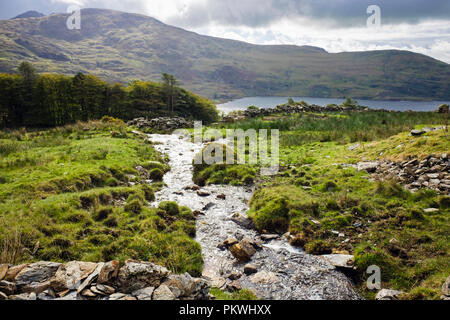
{"x":46,"y":100}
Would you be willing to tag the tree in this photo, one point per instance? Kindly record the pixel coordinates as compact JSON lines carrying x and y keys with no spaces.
{"x":27,"y":72}
{"x":169,"y":83}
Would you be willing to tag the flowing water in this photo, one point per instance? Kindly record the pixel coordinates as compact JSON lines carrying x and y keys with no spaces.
{"x":283,"y":273}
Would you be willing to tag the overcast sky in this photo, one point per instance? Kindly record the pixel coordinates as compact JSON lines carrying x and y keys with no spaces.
{"x":336,"y":25}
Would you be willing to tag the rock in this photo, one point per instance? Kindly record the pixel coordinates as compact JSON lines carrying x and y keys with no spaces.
{"x":88,"y":293}
{"x":370,"y":166}
{"x":128,"y":298}
{"x":234,"y":275}
{"x":203,"y":193}
{"x":230,"y":241}
{"x":446,"y":287}
{"x":8,"y":288}
{"x":221,"y":196}
{"x":163,"y":293}
{"x":87,"y":282}
{"x":208,"y":206}
{"x":70,"y":296}
{"x":250,"y":268}
{"x":268,"y":237}
{"x":243,"y":251}
{"x":184,"y":286}
{"x":69,"y":275}
{"x":431,"y":210}
{"x":135,"y":275}
{"x":117,"y":296}
{"x":23,"y":296}
{"x":386,"y":294}
{"x":109,"y":272}
{"x":242,"y":221}
{"x":3,"y":270}
{"x":13,"y":271}
{"x":3,"y":296}
{"x":355,"y":146}
{"x":36,"y":277}
{"x":234,"y":286}
{"x":105,"y":289}
{"x":264,"y":277}
{"x":97,"y":292}
{"x":417,"y":133}
{"x":339,"y":260}
{"x":144,"y":294}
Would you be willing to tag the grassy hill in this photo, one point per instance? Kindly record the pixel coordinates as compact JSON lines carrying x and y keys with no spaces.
{"x":120,"y":47}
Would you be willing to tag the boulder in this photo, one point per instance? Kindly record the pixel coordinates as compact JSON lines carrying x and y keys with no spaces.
{"x":417,"y":133}
{"x":3,"y":270}
{"x":250,"y":268}
{"x":186,"y":287}
{"x":243,"y":251}
{"x":229,"y":242}
{"x":264,"y":277}
{"x":70,"y":275}
{"x":93,"y":275}
{"x":13,"y":271}
{"x":163,"y":293}
{"x":36,"y":277}
{"x":369,"y":166}
{"x":109,"y":272}
{"x":144,"y":294}
{"x":135,"y":275}
{"x":23,"y":296}
{"x":8,"y":288}
{"x":339,"y":260}
{"x":387,"y":294}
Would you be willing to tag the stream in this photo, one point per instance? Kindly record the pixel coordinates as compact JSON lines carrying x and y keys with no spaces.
{"x":283,"y":272}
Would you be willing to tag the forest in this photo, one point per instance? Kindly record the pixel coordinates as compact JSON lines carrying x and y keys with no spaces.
{"x":28,"y":99}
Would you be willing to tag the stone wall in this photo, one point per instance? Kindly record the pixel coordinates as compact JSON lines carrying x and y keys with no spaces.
{"x":75,"y":280}
{"x":161,"y":124}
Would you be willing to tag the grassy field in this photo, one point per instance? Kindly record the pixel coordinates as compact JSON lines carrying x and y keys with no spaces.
{"x":77,"y":193}
{"x":331,"y":208}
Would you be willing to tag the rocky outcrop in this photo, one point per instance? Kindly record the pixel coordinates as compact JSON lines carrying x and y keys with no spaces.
{"x":387,"y":294}
{"x":75,"y":280}
{"x":161,"y":124}
{"x":429,"y":173}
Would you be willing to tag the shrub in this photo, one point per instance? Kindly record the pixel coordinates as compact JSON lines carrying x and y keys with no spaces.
{"x":170,"y":207}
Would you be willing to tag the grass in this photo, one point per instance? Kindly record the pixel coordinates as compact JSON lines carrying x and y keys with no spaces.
{"x":242,"y":294}
{"x":73,"y":193}
{"x":330,"y":207}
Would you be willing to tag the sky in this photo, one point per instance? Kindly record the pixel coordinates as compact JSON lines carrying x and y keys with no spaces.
{"x":421,"y":26}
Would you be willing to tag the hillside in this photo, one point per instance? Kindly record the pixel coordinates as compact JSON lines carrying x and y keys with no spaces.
{"x":120,"y":46}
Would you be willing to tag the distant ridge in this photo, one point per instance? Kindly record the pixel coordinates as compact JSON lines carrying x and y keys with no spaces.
{"x":29,"y":14}
{"x":119,"y":46}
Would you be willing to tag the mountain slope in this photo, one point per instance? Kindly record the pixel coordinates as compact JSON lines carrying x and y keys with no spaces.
{"x":120,"y":46}
{"x":29,"y":14}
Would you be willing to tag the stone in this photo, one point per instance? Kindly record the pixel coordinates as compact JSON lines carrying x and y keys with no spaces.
{"x":3,"y":270}
{"x":431,"y":210}
{"x":8,"y":288}
{"x":268,"y":237}
{"x":417,"y":133}
{"x":242,"y":221}
{"x":36,"y":277}
{"x":221,"y":196}
{"x":234,"y":275}
{"x":97,"y":292}
{"x":243,"y":251}
{"x":370,"y":166}
{"x":163,"y":293}
{"x":234,"y":286}
{"x":339,"y":260}
{"x":135,"y":275}
{"x":70,"y":296}
{"x":184,"y":286}
{"x":144,"y":294}
{"x":87,"y":282}
{"x":229,"y":242}
{"x":70,"y":275}
{"x":109,"y":272}
{"x":201,"y":193}
{"x":355,"y":146}
{"x":88,"y":293}
{"x":13,"y":271}
{"x":105,"y":289}
{"x":250,"y":268}
{"x":264,"y":277}
{"x":128,"y":298}
{"x":3,"y":296}
{"x":117,"y":296}
{"x":387,"y":294}
{"x":446,"y":287}
{"x":23,"y":296}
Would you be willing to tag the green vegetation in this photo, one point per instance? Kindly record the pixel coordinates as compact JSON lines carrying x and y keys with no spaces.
{"x":74,"y":193}
{"x":122,"y":47}
{"x":329,"y":207}
{"x":49,"y":100}
{"x":206,"y":171}
{"x":242,"y":294}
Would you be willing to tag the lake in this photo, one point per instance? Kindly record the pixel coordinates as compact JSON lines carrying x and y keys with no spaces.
{"x":271,"y":102}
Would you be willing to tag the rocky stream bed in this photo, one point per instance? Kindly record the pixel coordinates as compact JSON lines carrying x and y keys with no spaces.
{"x":275,"y":270}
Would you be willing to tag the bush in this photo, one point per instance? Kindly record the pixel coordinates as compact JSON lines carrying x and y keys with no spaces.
{"x":170,"y":207}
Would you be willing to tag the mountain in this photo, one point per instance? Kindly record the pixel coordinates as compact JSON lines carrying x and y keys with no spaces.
{"x":29,"y":14}
{"x":120,"y":46}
